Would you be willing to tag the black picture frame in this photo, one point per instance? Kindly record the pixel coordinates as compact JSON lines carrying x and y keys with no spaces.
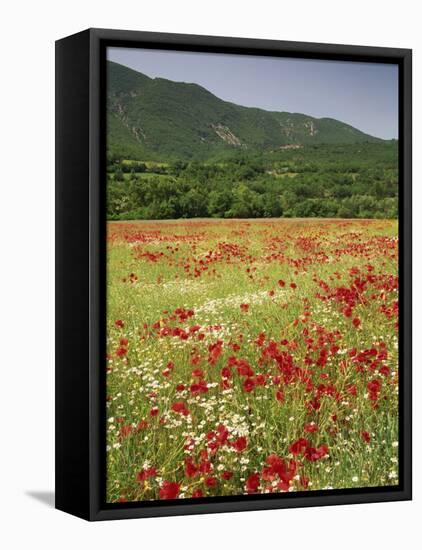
{"x":80,"y":272}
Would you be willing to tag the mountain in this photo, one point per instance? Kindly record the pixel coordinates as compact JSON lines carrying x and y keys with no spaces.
{"x":158,"y":119}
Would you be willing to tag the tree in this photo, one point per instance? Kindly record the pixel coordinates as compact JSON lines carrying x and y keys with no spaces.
{"x":219,"y":203}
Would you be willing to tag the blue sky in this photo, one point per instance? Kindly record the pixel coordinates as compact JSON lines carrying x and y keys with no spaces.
{"x":364,"y":95}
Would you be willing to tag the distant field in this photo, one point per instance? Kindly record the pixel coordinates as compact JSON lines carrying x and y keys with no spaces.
{"x":251,"y":356}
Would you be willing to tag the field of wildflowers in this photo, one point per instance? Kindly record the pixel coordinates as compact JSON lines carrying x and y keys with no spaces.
{"x":251,"y":356}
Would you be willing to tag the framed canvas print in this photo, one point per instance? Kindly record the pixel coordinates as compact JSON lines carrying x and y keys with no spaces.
{"x":233,"y":274}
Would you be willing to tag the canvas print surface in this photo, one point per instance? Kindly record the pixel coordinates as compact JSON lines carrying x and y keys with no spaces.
{"x":252,"y":275}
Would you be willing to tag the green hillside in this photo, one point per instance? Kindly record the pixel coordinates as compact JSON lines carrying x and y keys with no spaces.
{"x":157,"y":119}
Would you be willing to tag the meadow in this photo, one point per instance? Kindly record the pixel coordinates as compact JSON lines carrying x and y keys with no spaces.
{"x":251,"y":356}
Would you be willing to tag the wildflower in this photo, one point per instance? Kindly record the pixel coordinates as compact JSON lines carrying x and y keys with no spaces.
{"x":144,"y":474}
{"x":199,"y":387}
{"x":180,"y":407}
{"x":211,"y":481}
{"x":310,"y":428}
{"x":198,"y":373}
{"x":279,"y":395}
{"x":121,"y":352}
{"x":154,"y":411}
{"x":313,"y":454}
{"x":240,"y":444}
{"x":191,"y":470}
{"x":252,"y":483}
{"x":169,"y":490}
{"x":299,"y":446}
{"x":248,"y":385}
{"x":384,"y":370}
{"x":125,"y":431}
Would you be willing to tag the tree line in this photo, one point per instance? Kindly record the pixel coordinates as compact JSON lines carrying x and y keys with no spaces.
{"x":320,"y":182}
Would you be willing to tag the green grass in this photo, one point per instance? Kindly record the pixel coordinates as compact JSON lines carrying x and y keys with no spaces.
{"x":245,"y":261}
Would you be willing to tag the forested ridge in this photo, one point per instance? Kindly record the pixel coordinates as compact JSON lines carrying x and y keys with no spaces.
{"x":162,"y":120}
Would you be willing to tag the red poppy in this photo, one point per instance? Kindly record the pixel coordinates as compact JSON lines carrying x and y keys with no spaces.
{"x":144,"y":474}
{"x":222,"y":434}
{"x":283,"y":485}
{"x":197,"y":373}
{"x":211,"y":481}
{"x":205,"y":466}
{"x":195,"y":360}
{"x":225,"y":384}
{"x":304,"y":481}
{"x":191,"y":470}
{"x":126,"y":430}
{"x":374,"y":388}
{"x":260,"y":380}
{"x":356,"y":322}
{"x":169,"y":490}
{"x":226,"y":372}
{"x":384,"y":370}
{"x":240,"y":444}
{"x":121,"y":352}
{"x":366,"y":436}
{"x":248,"y":385}
{"x":154,"y":411}
{"x":279,"y":395}
{"x":252,"y":483}
{"x":119,"y":323}
{"x":180,"y":407}
{"x":199,"y":387}
{"x":347,"y":311}
{"x":352,"y":389}
{"x":299,"y":446}
{"x":215,"y":350}
{"x":244,"y":307}
{"x":244,"y":368}
{"x":313,"y":454}
{"x":310,"y":428}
